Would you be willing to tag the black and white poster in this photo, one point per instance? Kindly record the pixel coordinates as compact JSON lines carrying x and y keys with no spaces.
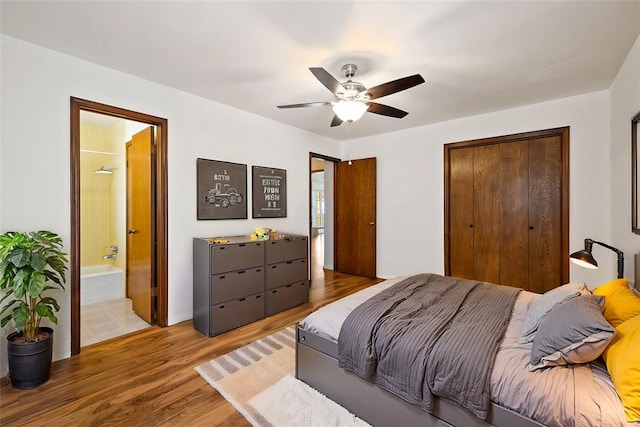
{"x":222,"y":190}
{"x":269,"y":192}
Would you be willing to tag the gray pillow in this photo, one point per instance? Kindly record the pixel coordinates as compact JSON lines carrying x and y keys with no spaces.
{"x":575,"y":331}
{"x":543,"y":305}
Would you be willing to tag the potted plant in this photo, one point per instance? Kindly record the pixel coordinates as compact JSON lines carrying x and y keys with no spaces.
{"x":30,"y":265}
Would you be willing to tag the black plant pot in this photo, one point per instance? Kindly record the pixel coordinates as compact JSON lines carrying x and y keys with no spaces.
{"x":29,"y":363}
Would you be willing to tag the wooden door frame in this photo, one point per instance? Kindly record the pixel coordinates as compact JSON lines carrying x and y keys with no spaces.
{"x":563,"y":133}
{"x":335,"y":162}
{"x":160,"y":200}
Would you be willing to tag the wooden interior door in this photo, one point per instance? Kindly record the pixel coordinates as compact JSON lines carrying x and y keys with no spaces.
{"x":355,"y":225}
{"x":139,"y":223}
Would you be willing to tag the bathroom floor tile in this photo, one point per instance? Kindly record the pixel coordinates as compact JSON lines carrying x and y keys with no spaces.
{"x":108,"y":319}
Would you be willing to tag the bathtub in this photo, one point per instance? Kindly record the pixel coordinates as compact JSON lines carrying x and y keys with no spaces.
{"x":101,"y":283}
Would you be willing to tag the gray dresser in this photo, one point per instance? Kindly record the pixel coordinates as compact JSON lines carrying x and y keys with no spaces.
{"x":242,"y":281}
{"x":286,"y":266}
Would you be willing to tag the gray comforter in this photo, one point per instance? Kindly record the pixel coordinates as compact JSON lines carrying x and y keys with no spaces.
{"x":429,"y":335}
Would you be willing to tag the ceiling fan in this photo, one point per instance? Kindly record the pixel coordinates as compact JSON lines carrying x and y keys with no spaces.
{"x":353,"y":99}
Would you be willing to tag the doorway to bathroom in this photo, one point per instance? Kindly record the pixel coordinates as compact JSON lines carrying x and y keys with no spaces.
{"x":119,"y":222}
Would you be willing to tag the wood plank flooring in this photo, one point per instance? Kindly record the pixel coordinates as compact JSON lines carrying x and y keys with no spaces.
{"x":147,"y":378}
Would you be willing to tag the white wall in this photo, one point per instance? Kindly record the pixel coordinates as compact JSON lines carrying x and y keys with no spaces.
{"x":625,"y":103}
{"x":34,"y":152}
{"x":411,"y":181}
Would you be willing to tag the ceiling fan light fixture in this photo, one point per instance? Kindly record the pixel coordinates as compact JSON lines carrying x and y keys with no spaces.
{"x":352,"y":99}
{"x":349,"y":111}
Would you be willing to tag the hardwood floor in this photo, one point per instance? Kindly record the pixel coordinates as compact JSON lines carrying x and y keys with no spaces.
{"x":147,"y":378}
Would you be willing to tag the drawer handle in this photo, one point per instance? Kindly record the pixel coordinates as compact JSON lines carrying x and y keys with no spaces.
{"x":222,"y":277}
{"x":258,"y":244}
{"x":222,"y":306}
{"x":241,"y":272}
{"x":274,"y":292}
{"x":258,"y":270}
{"x":242,"y":299}
{"x":274,"y":266}
{"x":258,"y":296}
{"x":288,"y":286}
{"x":222,"y":248}
{"x":289,"y":262}
{"x":241,"y":245}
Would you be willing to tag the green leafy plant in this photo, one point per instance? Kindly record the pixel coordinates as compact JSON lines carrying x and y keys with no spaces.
{"x":30,"y":264}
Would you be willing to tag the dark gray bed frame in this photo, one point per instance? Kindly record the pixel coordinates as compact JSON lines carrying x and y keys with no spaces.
{"x":317,"y":365}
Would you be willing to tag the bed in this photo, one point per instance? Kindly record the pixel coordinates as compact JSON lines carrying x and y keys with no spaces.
{"x":575,"y":394}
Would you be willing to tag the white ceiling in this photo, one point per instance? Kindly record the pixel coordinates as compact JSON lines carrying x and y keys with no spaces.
{"x":475,"y":56}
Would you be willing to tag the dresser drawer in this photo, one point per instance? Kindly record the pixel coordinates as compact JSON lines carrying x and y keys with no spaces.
{"x":286,"y":272}
{"x":286,"y":250}
{"x":287,"y":296}
{"x":236,"y":313}
{"x":238,"y":256}
{"x":236,"y":284}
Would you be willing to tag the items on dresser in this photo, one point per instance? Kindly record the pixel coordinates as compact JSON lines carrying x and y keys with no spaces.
{"x":240,"y":281}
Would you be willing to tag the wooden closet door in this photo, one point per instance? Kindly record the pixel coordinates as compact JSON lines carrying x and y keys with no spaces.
{"x":461,"y":213}
{"x":519,"y":206}
{"x":514,"y":214}
{"x":486,"y":213}
{"x":545,"y":219}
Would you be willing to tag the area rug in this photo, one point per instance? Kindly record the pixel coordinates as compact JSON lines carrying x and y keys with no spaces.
{"x":258,"y":381}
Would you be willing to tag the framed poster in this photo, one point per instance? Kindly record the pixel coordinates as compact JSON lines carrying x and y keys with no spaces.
{"x":269,"y":192}
{"x":222,"y":190}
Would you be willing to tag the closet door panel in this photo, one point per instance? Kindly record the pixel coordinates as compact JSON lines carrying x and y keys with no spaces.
{"x":514,"y":213}
{"x":486,"y":210}
{"x":545,"y":246}
{"x":461,"y":213}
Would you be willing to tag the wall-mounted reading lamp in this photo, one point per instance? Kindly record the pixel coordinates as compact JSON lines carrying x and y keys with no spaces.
{"x":584,"y":258}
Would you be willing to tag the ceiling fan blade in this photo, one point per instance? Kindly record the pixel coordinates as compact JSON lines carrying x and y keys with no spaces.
{"x":385,"y":110}
{"x":327,"y":80}
{"x":395,"y":86}
{"x":306,"y":104}
{"x":336,"y":121}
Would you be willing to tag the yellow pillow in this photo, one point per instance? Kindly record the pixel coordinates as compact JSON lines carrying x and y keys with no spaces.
{"x":623,"y":363}
{"x":620,"y":302}
{"x":611,"y":287}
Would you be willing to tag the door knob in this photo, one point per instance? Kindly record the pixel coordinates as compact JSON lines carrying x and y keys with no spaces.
{"x":132,"y":231}
{"x":372,"y":223}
